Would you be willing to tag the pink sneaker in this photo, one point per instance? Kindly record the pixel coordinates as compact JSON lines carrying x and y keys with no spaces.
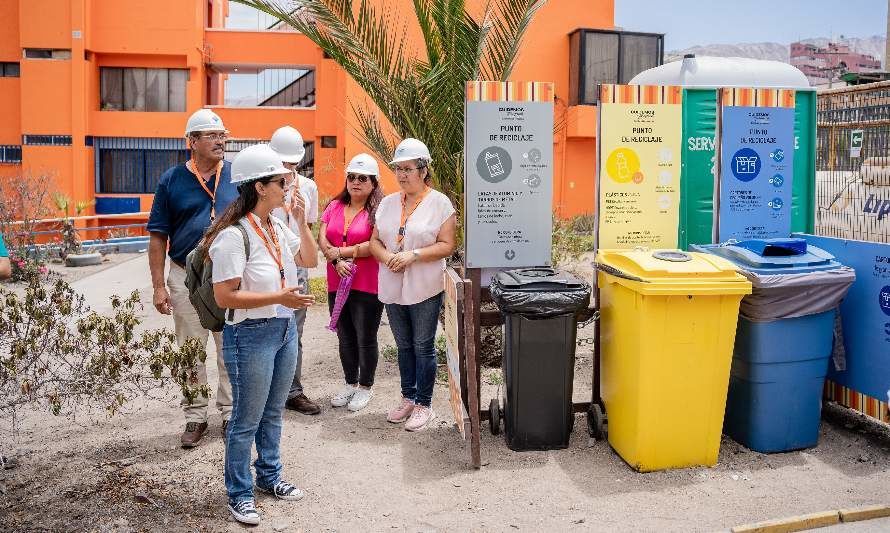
{"x":401,"y":413}
{"x":420,"y":418}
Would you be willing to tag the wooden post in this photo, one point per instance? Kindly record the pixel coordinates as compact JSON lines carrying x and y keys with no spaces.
{"x":471,"y":329}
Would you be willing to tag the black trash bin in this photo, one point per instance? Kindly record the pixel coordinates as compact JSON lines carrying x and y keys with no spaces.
{"x":540,"y":327}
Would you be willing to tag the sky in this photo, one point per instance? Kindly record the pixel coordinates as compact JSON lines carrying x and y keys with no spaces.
{"x":688,"y":23}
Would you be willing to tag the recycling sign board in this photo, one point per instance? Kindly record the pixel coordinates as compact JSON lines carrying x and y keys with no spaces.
{"x":508,"y":185}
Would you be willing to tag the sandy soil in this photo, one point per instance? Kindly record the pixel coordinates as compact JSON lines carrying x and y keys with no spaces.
{"x":362,"y":473}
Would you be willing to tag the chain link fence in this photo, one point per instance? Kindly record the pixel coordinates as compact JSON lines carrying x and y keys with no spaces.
{"x":853,"y":162}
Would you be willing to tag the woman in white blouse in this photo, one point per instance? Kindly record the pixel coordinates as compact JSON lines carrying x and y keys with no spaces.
{"x":413,"y":234}
{"x":260,"y":341}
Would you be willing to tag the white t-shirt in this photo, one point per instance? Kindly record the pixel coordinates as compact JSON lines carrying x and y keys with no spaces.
{"x":309,"y":191}
{"x":422,"y":279}
{"x":260,"y":273}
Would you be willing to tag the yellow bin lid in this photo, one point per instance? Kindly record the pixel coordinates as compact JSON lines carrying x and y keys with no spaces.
{"x":671,"y":272}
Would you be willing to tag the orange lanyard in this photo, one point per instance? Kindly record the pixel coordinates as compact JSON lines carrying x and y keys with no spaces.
{"x":277,"y":257}
{"x":347,"y":223}
{"x":407,"y":213}
{"x":211,"y":194}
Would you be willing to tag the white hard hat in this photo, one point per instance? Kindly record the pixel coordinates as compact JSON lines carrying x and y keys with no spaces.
{"x":204,"y":120}
{"x":411,"y":149}
{"x":363,"y":164}
{"x":256,"y":162}
{"x":288,"y":142}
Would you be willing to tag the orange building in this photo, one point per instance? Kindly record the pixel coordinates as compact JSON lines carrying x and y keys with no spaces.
{"x":96,"y":93}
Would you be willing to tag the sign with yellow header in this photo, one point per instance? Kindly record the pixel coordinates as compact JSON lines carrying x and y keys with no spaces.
{"x":640,"y":142}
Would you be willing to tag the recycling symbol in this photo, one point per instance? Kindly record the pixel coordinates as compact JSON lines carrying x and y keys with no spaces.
{"x":510,"y":255}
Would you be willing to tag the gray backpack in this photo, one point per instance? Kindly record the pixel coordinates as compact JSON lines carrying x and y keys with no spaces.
{"x":199,"y":281}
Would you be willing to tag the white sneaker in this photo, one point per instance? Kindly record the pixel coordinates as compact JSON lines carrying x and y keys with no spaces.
{"x":360,"y":399}
{"x":420,"y":418}
{"x":245,"y":512}
{"x":342,"y":398}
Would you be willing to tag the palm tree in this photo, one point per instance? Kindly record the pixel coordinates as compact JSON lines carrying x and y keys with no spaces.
{"x":420,"y":97}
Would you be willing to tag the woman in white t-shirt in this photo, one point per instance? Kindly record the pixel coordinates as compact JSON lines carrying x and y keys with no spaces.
{"x":413,"y":234}
{"x":260,"y":340}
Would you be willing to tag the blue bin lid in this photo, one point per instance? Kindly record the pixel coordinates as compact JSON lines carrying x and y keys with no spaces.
{"x":773,"y":256}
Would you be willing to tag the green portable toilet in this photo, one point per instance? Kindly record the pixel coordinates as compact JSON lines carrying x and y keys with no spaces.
{"x":701,"y":79}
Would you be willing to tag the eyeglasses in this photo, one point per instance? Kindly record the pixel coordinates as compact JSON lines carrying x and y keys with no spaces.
{"x":215,"y":136}
{"x":279,"y":181}
{"x":361,"y":178}
{"x":404,"y":170}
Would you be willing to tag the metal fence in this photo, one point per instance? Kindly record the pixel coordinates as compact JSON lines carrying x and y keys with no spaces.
{"x":853,"y":162}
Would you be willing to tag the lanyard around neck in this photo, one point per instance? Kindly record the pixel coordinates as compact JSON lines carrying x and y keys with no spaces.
{"x":406,"y":213}
{"x":277,"y":257}
{"x":212,"y":194}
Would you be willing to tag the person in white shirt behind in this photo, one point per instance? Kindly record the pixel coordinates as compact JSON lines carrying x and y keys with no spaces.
{"x":288,"y":144}
{"x":260,"y":340}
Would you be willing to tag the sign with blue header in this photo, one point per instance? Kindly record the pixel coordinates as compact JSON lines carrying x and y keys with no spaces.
{"x":757,"y":155}
{"x":865,"y":313}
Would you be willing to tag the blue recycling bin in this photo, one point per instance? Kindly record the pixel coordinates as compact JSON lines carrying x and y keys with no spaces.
{"x":784,"y":341}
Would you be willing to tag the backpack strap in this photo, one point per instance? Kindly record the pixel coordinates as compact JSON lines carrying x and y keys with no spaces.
{"x":246,"y":258}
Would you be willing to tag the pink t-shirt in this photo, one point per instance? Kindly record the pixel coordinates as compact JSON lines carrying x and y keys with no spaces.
{"x":360,"y":230}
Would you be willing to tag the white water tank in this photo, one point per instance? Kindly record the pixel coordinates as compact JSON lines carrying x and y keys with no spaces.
{"x":713,"y":72}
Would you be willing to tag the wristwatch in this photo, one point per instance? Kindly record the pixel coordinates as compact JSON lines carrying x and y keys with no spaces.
{"x":416,"y":253}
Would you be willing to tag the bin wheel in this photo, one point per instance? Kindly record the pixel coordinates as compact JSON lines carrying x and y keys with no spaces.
{"x":596,"y":422}
{"x":494,"y":416}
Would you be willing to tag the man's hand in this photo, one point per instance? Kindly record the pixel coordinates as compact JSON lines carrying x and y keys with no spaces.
{"x":297,"y":205}
{"x":161,"y":301}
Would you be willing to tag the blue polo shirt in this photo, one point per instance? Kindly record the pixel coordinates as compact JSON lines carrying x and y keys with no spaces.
{"x":181,"y":207}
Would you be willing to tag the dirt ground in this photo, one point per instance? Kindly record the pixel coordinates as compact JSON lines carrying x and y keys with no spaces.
{"x":361,"y":473}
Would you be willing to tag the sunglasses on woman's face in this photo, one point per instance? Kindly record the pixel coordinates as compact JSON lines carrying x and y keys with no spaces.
{"x":361,"y":178}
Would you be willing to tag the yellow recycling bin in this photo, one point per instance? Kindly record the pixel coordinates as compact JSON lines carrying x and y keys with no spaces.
{"x":667,"y":328}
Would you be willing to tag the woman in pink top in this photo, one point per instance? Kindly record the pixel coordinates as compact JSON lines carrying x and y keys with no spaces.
{"x":346,"y":227}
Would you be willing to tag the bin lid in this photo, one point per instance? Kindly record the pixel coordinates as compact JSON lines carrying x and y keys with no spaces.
{"x":671,"y":272}
{"x":541,"y":279}
{"x":773,"y":256}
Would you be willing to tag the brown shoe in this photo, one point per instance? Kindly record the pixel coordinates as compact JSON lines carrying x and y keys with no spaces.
{"x":302,"y":404}
{"x":192,"y":434}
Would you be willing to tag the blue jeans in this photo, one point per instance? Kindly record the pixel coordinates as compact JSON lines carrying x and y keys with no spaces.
{"x":414,"y":329}
{"x":260,"y":355}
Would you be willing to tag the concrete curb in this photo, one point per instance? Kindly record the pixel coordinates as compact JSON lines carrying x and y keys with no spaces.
{"x":815,"y":520}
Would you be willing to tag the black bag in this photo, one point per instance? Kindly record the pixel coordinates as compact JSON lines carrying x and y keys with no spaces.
{"x":199,"y":281}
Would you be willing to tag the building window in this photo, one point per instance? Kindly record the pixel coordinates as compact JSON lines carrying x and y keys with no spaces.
{"x":9,"y":70}
{"x":10,"y":153}
{"x":47,"y":140}
{"x":47,"y":53}
{"x":142,"y":89}
{"x":133,"y":170}
{"x":603,"y":56}
{"x":328,"y":141}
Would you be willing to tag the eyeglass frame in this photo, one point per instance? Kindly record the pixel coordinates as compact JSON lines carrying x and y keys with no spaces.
{"x":215,"y":136}
{"x":405,"y":170}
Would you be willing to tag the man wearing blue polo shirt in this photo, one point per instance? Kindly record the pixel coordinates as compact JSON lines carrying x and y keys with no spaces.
{"x":187,"y":199}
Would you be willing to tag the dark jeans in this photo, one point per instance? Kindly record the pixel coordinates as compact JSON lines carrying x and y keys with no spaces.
{"x":414,"y":330}
{"x":357,"y":333}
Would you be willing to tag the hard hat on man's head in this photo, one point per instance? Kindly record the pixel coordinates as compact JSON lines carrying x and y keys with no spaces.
{"x":363,"y":164}
{"x":256,"y":162}
{"x":409,"y":150}
{"x":288,"y":142}
{"x":204,"y":120}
